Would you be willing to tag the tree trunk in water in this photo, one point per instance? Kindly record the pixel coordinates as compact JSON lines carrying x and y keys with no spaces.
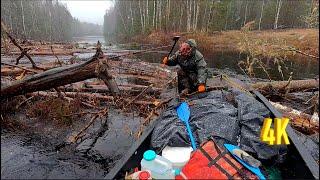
{"x":279,"y":4}
{"x":260,"y":19}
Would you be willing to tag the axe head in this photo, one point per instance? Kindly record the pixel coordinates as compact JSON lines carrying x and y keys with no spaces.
{"x":176,"y":38}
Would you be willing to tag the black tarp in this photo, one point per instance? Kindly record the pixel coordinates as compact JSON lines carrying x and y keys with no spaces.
{"x":229,"y":116}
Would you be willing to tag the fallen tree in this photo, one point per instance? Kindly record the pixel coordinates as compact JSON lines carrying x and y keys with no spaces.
{"x":287,"y":86}
{"x":62,"y":76}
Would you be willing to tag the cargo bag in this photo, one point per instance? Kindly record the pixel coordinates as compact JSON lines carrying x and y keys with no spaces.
{"x":210,"y":161}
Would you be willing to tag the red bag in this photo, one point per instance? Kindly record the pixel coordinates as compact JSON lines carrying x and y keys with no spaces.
{"x":213,"y":162}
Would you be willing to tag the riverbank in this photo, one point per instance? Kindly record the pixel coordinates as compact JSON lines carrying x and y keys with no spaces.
{"x":270,"y":42}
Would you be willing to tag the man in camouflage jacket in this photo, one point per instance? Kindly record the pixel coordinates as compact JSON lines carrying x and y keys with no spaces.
{"x":193,"y":73}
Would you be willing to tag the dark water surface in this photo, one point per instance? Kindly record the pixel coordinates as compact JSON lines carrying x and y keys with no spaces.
{"x":23,"y":157}
{"x":32,"y":155}
{"x":302,"y":67}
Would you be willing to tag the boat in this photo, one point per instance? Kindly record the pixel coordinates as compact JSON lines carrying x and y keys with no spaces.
{"x":298,"y":164}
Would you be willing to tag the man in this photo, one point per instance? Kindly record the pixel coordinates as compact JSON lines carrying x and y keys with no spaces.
{"x":193,"y":74}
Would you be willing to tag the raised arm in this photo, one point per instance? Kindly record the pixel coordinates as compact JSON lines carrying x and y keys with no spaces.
{"x":172,"y":61}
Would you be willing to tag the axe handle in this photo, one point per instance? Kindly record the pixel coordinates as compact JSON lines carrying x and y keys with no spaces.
{"x":175,"y":42}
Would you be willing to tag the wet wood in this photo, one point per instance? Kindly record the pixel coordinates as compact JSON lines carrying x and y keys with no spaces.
{"x":20,"y":67}
{"x":104,"y":98}
{"x":101,"y":71}
{"x":103,"y":112}
{"x":55,"y":56}
{"x":138,"y":96}
{"x":305,"y":122}
{"x":51,"y":78}
{"x":23,"y":50}
{"x":283,"y":86}
{"x":58,"y":77}
{"x":104,"y":89}
{"x":48,"y":52}
{"x":6,"y":71}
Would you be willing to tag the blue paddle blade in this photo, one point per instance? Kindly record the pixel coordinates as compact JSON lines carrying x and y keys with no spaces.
{"x":183,"y":112}
{"x":255,"y":170}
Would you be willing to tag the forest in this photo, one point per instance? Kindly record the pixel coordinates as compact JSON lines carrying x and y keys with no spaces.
{"x":44,"y":20}
{"x":144,"y":16}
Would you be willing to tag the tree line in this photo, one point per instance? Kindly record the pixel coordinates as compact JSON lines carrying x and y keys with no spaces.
{"x":43,"y":20}
{"x":143,"y":16}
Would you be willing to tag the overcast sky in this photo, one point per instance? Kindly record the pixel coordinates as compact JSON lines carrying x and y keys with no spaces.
{"x":88,"y":10}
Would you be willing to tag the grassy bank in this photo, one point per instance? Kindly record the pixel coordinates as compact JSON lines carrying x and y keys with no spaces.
{"x":265,"y":43}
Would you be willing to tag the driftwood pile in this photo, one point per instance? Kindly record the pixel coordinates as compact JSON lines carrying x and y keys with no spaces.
{"x":126,"y":84}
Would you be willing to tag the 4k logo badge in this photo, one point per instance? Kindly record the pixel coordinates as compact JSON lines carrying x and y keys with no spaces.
{"x":276,"y":135}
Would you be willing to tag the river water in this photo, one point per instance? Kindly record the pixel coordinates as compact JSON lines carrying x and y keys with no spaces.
{"x":89,"y":39}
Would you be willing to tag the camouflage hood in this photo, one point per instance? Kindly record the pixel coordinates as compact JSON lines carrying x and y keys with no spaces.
{"x":192,"y":43}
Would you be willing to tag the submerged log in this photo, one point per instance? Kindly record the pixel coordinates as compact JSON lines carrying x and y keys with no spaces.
{"x":56,"y":77}
{"x":283,"y":86}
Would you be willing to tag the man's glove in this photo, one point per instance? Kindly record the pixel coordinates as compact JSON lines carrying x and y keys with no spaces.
{"x":201,"y":88}
{"x":165,"y":60}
